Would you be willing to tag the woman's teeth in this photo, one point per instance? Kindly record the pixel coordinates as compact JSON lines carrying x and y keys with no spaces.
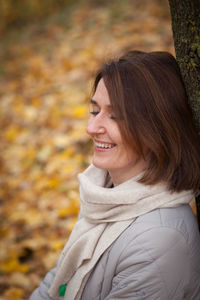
{"x":105,"y":146}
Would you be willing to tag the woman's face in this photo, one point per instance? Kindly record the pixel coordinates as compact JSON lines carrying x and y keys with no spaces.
{"x":110,"y":151}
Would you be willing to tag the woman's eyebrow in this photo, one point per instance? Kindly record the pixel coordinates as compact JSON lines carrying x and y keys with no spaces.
{"x":93,"y":101}
{"x":96,"y":103}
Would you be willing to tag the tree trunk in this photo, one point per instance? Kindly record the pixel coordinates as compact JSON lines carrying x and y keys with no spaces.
{"x":185,"y":16}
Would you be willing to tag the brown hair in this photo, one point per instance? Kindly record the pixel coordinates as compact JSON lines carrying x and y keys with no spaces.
{"x":149,"y":99}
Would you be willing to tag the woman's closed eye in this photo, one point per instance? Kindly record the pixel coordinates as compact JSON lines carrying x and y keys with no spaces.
{"x":94,"y":112}
{"x":94,"y":108}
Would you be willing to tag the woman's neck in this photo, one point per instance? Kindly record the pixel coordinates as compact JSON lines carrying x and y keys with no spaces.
{"x":122,"y":175}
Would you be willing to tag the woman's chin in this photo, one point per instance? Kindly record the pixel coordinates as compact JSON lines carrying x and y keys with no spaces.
{"x":100,"y":164}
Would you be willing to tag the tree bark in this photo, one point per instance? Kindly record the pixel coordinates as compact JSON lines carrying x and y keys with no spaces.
{"x":185,"y":17}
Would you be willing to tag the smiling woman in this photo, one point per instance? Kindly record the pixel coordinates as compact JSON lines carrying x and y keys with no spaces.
{"x":136,"y":237}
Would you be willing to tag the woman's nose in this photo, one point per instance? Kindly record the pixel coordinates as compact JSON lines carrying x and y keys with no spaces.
{"x":95,"y":126}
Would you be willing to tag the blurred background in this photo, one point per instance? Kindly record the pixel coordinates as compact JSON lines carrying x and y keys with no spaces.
{"x":49,"y":53}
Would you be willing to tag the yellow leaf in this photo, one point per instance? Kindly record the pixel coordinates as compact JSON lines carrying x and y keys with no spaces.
{"x":68,"y":169}
{"x":53,"y":183}
{"x":14,"y":293}
{"x":13,"y":265}
{"x":79,"y":112}
{"x":65,"y":212}
{"x":11,"y":133}
{"x":69,"y":152}
{"x":36,"y":102}
{"x":9,"y":265}
{"x":70,"y":210}
{"x":23,"y":268}
{"x":57,"y":244}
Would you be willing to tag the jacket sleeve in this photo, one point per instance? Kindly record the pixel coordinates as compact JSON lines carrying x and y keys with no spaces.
{"x":41,"y":293}
{"x":155,"y":265}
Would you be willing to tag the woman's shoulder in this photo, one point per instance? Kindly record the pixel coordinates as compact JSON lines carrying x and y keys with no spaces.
{"x":159,"y":230}
{"x":164,"y":239}
{"x":153,"y":249}
{"x":180,"y":219}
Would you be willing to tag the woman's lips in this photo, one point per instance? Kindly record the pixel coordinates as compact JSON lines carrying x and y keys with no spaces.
{"x":103,"y":146}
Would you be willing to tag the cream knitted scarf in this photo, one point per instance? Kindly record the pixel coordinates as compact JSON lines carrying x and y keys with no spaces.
{"x":105,"y":214}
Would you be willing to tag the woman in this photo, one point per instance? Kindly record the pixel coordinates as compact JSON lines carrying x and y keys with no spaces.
{"x":136,"y":237}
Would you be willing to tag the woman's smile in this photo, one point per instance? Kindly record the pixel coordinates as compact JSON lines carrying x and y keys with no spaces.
{"x":103,"y":146}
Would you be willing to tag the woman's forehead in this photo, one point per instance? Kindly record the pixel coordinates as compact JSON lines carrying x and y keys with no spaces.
{"x":101,"y":96}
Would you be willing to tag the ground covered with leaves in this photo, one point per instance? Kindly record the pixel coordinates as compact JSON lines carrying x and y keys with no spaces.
{"x":46,"y":76}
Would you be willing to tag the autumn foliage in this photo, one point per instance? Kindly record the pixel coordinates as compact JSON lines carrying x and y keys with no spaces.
{"x":46,"y":72}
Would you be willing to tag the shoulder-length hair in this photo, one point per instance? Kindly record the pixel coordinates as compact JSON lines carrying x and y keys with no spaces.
{"x":148,"y":97}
